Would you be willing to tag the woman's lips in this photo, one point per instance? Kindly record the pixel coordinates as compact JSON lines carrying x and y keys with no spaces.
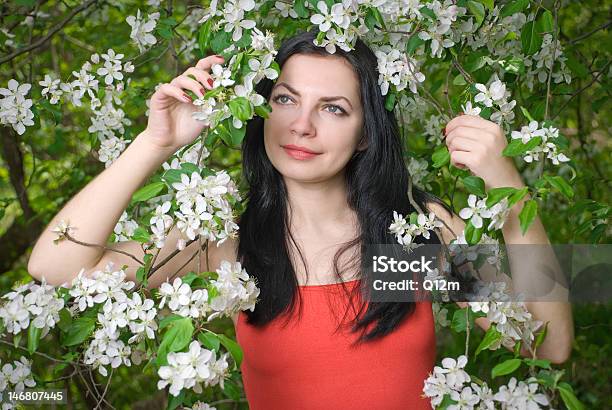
{"x":297,"y":154}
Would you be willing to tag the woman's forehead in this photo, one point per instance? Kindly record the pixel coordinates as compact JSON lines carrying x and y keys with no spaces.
{"x":320,"y":75}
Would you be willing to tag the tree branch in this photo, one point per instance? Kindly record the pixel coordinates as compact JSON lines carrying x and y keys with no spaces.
{"x":51,"y":33}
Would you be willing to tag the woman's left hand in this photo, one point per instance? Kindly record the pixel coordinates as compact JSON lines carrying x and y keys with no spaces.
{"x":477,"y":144}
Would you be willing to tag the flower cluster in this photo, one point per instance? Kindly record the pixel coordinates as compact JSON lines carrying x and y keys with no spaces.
{"x":338,"y":24}
{"x":453,"y":381}
{"x":419,"y":225}
{"x":541,"y":63}
{"x":546,"y":147}
{"x":188,"y":370}
{"x":142,"y":28}
{"x":108,"y":120}
{"x":184,"y":301}
{"x":496,"y":94}
{"x":439,"y":30}
{"x":124,"y":228}
{"x":395,"y":67}
{"x":236,"y":290}
{"x":15,"y":377}
{"x":511,"y":318}
{"x":15,"y":107}
{"x":31,"y":304}
{"x":477,"y":210}
{"x":205,"y":207}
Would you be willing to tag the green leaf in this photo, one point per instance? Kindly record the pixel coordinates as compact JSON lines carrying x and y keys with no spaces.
{"x":79,"y":331}
{"x":561,"y":185}
{"x":505,"y":368}
{"x":165,"y":32}
{"x":176,"y":338}
{"x":241,"y":108}
{"x":492,"y":336}
{"x":544,"y":364}
{"x":221,"y":41}
{"x":209,"y":340}
{"x":475,"y":185}
{"x":65,"y":320}
{"x":147,"y":192}
{"x":474,"y":62}
{"x":514,"y":7}
{"x":460,"y":319}
{"x":569,"y":398}
{"x":390,"y":100}
{"x":168,"y":320}
{"x":497,"y":194}
{"x":527,"y":114}
{"x":528,"y":214}
{"x":517,"y":196}
{"x":231,"y":390}
{"x":175,"y":401}
{"x":263,"y":110}
{"x":141,"y":235}
{"x":531,"y":41}
{"x":459,"y":80}
{"x":472,"y":234}
{"x":232,"y":347}
{"x":477,"y":9}
{"x":440,"y":157}
{"x":33,"y":338}
{"x":488,"y":4}
{"x":300,"y":8}
{"x":516,"y":147}
{"x":545,"y":23}
{"x":541,"y":336}
{"x":414,"y":43}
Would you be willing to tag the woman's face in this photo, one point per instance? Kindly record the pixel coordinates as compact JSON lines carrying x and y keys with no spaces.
{"x":316,"y":107}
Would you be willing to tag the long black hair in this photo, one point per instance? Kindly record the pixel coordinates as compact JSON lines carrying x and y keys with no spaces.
{"x":376,"y":182}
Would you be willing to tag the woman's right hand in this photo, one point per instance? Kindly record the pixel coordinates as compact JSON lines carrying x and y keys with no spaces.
{"x":170,"y":122}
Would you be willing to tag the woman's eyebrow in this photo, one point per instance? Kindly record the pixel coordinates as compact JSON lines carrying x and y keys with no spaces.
{"x":326,"y":99}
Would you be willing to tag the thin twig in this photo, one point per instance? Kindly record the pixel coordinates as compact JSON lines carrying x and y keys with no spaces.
{"x":51,"y":33}
{"x":46,"y":356}
{"x":590,"y":33}
{"x":552,"y":65}
{"x":105,"y":389}
{"x":72,"y":239}
{"x":603,"y":70}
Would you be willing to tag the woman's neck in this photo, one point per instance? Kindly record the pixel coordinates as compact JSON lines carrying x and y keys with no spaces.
{"x":317,"y":206}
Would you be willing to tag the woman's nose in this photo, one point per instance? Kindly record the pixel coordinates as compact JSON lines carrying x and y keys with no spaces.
{"x":303,"y":124}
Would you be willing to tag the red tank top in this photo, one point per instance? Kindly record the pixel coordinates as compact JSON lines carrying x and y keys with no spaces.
{"x":306,"y":366}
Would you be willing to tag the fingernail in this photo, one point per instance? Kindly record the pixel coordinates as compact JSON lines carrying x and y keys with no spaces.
{"x":203,"y":91}
{"x":187,"y":98}
{"x":210,"y":82}
{"x":217,"y":55}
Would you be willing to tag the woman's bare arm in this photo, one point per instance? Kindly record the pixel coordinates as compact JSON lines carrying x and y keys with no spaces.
{"x":94,"y":212}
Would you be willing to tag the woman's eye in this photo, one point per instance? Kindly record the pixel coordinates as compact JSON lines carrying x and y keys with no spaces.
{"x":338,"y":109}
{"x":279,"y":97}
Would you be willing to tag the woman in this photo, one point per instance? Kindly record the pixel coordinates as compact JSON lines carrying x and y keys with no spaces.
{"x":325,"y":172}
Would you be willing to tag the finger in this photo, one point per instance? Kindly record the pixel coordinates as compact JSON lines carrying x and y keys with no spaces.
{"x":202,"y":76}
{"x":189,"y":84}
{"x":471,"y":121}
{"x":472,"y":133}
{"x":175,"y":92}
{"x":207,"y":62}
{"x":460,"y":159}
{"x":459,"y":143}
